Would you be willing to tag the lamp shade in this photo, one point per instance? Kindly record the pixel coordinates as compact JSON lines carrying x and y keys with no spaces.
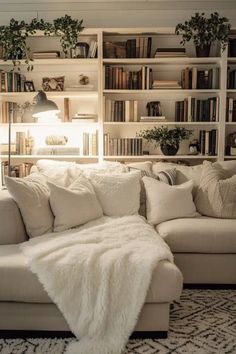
{"x":44,"y":106}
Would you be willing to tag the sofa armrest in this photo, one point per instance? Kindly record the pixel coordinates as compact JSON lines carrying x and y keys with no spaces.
{"x":12,"y":229}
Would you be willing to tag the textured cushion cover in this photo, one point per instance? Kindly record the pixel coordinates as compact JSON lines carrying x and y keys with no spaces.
{"x":165,"y":202}
{"x":32,"y":197}
{"x":216,"y":195}
{"x":199,"y":235}
{"x":75,"y":205}
{"x":18,"y":283}
{"x":118,"y":194}
{"x":167,"y":176}
{"x":12,"y":229}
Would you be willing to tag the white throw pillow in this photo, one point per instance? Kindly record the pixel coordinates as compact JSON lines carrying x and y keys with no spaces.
{"x":32,"y":197}
{"x":165,"y":202}
{"x":75,"y":205}
{"x":119,"y":194}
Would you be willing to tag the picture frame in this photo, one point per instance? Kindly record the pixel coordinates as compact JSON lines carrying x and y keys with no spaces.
{"x":29,"y":86}
{"x":53,"y":83}
{"x":81,"y":50}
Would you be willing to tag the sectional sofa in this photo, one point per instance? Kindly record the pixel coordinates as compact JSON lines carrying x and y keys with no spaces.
{"x":204,"y":251}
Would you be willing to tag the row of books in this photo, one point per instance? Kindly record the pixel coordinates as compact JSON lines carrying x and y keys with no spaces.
{"x":230,"y":110}
{"x":24,"y":143}
{"x":90,"y":144}
{"x":121,"y":78}
{"x":139,"y":47}
{"x":208,"y":142}
{"x":10,"y":112}
{"x":194,"y":78}
{"x":11,"y":81}
{"x":122,"y":146}
{"x":195,"y":110}
{"x":231,"y":79}
{"x":20,"y":170}
{"x":121,"y":111}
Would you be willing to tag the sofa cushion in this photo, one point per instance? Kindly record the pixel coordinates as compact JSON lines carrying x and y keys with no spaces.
{"x":18,"y":283}
{"x":12,"y":229}
{"x":199,"y":235}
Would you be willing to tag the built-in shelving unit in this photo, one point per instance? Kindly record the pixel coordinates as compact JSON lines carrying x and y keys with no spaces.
{"x":94,"y":101}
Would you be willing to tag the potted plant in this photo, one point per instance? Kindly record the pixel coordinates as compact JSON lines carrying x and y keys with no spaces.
{"x":204,"y":31}
{"x":168,"y":139}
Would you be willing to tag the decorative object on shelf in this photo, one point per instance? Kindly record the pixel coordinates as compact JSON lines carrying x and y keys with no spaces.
{"x":168,"y":139}
{"x":83,"y":79}
{"x":204,"y":31}
{"x":26,"y":111}
{"x":194,"y":147}
{"x":56,"y":140}
{"x":154,"y":109}
{"x":29,"y":86}
{"x":80,"y":50}
{"x":231,"y":144}
{"x":53,"y":83}
{"x":44,"y":107}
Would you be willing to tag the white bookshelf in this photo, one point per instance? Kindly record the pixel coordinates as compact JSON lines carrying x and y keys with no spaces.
{"x":93,"y":101}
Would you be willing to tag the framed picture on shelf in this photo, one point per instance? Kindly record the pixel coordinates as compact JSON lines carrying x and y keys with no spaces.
{"x":81,"y":50}
{"x":29,"y":86}
{"x":53,"y":83}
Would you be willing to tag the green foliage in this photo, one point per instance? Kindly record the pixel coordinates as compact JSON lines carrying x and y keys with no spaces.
{"x":13,"y":36}
{"x":204,"y":31}
{"x":164,"y":136}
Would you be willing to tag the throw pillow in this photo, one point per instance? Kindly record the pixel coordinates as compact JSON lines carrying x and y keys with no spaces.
{"x":32,"y":197}
{"x":118,"y":193}
{"x":167,"y":176}
{"x":165,"y":202}
{"x":75,"y":205}
{"x":216,"y":194}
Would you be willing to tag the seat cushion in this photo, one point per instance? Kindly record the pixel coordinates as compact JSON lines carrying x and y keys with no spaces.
{"x":199,"y":235}
{"x":18,"y":283}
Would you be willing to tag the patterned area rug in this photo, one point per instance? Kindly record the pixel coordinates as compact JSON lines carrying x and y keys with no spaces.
{"x":203,"y":322}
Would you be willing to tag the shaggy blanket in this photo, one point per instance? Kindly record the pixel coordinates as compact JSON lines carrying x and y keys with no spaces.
{"x":98,"y":276}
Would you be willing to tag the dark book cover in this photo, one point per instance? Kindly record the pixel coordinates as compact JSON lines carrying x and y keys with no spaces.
{"x":149,"y":47}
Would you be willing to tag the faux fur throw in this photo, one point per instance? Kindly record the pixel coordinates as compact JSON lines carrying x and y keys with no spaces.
{"x":99,"y":277}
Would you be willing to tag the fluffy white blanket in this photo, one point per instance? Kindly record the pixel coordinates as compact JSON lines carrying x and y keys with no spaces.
{"x":98,"y":276}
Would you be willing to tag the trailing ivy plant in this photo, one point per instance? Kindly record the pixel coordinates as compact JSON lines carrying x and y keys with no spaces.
{"x":68,"y":30}
{"x":13,"y":37}
{"x":203,"y":31}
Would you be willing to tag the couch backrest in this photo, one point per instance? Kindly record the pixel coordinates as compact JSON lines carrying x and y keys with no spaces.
{"x":12,"y":229}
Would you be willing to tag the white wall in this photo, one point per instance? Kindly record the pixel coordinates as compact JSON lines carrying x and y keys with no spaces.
{"x":116,"y":13}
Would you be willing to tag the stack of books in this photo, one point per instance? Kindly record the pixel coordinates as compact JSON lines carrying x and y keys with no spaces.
{"x":230,"y":110}
{"x":121,"y":111}
{"x":11,"y":81}
{"x":165,"y":84}
{"x":193,"y":78}
{"x":195,"y":110}
{"x":153,"y":119}
{"x":170,"y":52}
{"x":50,"y":54}
{"x":208,"y":141}
{"x":120,"y":78}
{"x":88,"y":87}
{"x":86,"y":117}
{"x":122,"y":146}
{"x":90,"y":144}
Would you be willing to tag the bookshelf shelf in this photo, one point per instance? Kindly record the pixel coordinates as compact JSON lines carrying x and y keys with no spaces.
{"x":165,"y":60}
{"x":162,"y":91}
{"x":30,"y":95}
{"x":58,"y":61}
{"x":31,"y":157}
{"x":228,"y":157}
{"x":161,"y":123}
{"x":163,"y":157}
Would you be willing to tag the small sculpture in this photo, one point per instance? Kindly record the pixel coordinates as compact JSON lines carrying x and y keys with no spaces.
{"x":56,"y":140}
{"x":83,"y":79}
